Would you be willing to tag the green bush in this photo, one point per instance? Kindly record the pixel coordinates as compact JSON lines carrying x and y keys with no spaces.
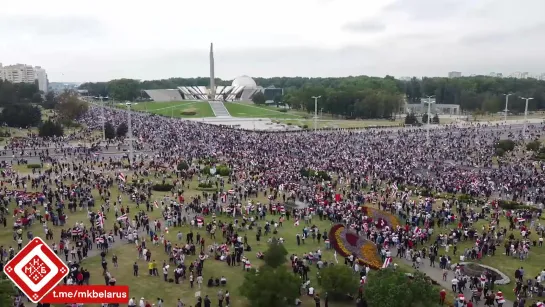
{"x":500,"y":152}
{"x":323,"y":175}
{"x":205,"y":170}
{"x":465,"y":198}
{"x":183,"y":166}
{"x":34,"y":166}
{"x":206,"y":185}
{"x":305,"y":126}
{"x":160,"y":187}
{"x":533,"y":146}
{"x":223,"y":170}
{"x":289,"y":124}
{"x":188,"y":113}
{"x":506,"y":145}
{"x":513,"y":205}
{"x":338,"y":281}
{"x":283,"y":110}
{"x":49,"y":128}
{"x":305,"y":172}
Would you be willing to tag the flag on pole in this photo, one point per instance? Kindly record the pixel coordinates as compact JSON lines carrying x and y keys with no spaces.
{"x":100,"y":220}
{"x":156,"y":204}
{"x":122,"y":177}
{"x":200,"y":221}
{"x":387,"y":262}
{"x":123,"y":217}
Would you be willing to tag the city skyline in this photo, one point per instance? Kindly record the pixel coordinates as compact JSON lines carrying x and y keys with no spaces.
{"x":393,"y":37}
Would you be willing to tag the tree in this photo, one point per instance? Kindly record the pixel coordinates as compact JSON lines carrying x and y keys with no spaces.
{"x":124,"y":89}
{"x":122,"y":130}
{"x":70,"y":107}
{"x":392,"y":288}
{"x":270,"y":287}
{"x":21,"y":115}
{"x":338,"y":281}
{"x":275,"y":255}
{"x":182,"y":166}
{"x":425,"y":118}
{"x":435,"y":119}
{"x":50,"y":128}
{"x":37,"y":98}
{"x":411,"y":119}
{"x":50,"y":101}
{"x":109,"y":131}
{"x":258,"y":98}
{"x":277,"y":100}
{"x":7,"y":291}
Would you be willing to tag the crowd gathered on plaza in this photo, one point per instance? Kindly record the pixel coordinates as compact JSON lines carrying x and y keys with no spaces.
{"x":386,"y":169}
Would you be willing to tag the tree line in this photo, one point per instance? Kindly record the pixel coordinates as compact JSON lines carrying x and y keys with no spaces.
{"x":363,"y":96}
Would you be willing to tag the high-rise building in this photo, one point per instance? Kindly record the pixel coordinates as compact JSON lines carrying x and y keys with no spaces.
{"x":41,"y":76}
{"x":454,"y":74}
{"x":22,"y":73}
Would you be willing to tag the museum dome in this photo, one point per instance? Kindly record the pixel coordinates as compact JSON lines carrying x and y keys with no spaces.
{"x":244,"y":81}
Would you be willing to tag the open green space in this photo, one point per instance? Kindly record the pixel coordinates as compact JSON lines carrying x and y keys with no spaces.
{"x":238,"y":109}
{"x":178,"y":109}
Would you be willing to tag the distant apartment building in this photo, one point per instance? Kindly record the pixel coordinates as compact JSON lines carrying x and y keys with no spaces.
{"x":22,"y":73}
{"x":454,"y":74}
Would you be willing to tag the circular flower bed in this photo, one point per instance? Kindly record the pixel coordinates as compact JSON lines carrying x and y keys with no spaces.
{"x":347,"y":242}
{"x":378,"y":216}
{"x":475,"y":269}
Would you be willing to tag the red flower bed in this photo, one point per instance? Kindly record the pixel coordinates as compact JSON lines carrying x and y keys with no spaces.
{"x":347,"y":242}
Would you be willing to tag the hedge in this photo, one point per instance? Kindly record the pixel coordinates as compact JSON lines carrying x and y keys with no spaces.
{"x":207,"y":189}
{"x":188,"y":113}
{"x":223,"y":170}
{"x":206,"y":185}
{"x":167,"y":187}
{"x":182,"y":166}
{"x":283,"y":110}
{"x":34,"y":166}
{"x":506,"y":145}
{"x":513,"y":205}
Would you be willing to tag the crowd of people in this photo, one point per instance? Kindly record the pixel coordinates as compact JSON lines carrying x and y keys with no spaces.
{"x":386,"y":168}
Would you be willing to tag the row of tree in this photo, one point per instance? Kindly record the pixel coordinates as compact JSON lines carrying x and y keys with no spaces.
{"x":363,"y":96}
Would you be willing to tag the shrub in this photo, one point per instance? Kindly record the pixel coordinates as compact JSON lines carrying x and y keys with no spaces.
{"x":205,"y":185}
{"x":289,"y":124}
{"x":465,"y":198}
{"x":500,"y":152}
{"x":305,"y":126}
{"x":513,"y":205}
{"x":223,"y":170}
{"x":206,"y":170}
{"x":188,"y":113}
{"x":160,"y":187}
{"x":323,"y":175}
{"x":305,"y":172}
{"x":283,"y":110}
{"x":533,"y":146}
{"x":338,"y":281}
{"x":182,"y":166}
{"x":34,"y":166}
{"x":49,"y":128}
{"x":506,"y":145}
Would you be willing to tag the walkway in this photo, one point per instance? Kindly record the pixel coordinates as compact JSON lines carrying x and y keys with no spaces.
{"x":437,"y":274}
{"x":219,"y":109}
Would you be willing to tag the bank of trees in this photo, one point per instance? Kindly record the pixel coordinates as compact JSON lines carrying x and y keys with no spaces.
{"x":363,"y":96}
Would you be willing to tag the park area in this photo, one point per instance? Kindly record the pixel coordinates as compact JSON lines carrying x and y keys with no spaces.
{"x":153,"y":287}
{"x":176,"y":109}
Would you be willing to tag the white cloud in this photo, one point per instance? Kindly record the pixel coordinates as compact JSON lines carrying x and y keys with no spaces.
{"x":166,"y":38}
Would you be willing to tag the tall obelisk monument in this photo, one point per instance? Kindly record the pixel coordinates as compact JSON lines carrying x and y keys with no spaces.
{"x":212,"y":91}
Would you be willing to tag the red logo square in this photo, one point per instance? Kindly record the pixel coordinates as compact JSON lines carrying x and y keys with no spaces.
{"x":36,"y":269}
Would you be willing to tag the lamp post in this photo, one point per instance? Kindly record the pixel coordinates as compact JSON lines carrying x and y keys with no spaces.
{"x":506,"y":103}
{"x":130,"y":133}
{"x":316,"y":111}
{"x":525,"y":115}
{"x":428,"y":124}
{"x":103,"y":118}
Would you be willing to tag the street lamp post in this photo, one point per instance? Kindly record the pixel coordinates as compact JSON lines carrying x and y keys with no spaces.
{"x":316,"y":112}
{"x":428,"y":124}
{"x":130,"y":133}
{"x":525,"y":115}
{"x":103,"y":119}
{"x":506,"y":103}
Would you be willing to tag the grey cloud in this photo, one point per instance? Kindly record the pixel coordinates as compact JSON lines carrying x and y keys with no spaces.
{"x":428,"y":9}
{"x":40,"y":26}
{"x":365,"y":26}
{"x":514,"y":36}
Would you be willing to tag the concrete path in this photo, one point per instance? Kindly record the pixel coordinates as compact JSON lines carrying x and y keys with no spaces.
{"x":437,"y":274}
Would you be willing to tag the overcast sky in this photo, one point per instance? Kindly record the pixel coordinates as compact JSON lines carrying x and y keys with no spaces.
{"x":104,"y":39}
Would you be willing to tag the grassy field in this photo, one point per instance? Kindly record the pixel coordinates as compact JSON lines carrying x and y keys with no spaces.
{"x":341,"y":123}
{"x":151,"y":287}
{"x":237,"y":109}
{"x":175,"y":109}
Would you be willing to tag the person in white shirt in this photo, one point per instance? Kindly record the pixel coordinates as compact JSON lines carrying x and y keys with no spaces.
{"x":142,"y":303}
{"x":311,"y":291}
{"x":131,"y":302}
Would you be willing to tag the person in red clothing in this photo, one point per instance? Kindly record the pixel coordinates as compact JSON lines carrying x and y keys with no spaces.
{"x":469,"y":304}
{"x":442,"y":296}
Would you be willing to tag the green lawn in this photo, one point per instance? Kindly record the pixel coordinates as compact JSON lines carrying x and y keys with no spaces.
{"x":238,"y":109}
{"x":175,"y":108}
